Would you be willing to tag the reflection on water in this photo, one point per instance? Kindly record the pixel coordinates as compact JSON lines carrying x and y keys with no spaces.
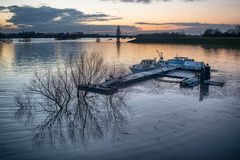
{"x":72,"y":116}
{"x":204,"y":92}
{"x":91,"y":119}
{"x":119,"y":53}
{"x":118,"y":48}
{"x":7,"y":56}
{"x":166,"y":117}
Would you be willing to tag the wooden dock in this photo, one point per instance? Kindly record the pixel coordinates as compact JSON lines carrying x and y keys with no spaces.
{"x":190,"y":82}
{"x":111,"y":86}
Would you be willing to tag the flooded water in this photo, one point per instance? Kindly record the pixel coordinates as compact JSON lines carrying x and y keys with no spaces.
{"x":162,"y":120}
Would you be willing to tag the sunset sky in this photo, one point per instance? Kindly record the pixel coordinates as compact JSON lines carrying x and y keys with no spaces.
{"x":134,"y":16}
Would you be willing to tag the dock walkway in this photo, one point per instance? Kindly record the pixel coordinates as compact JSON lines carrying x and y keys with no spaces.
{"x":111,"y":86}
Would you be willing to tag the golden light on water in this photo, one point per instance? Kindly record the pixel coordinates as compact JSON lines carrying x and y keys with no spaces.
{"x":7,"y":56}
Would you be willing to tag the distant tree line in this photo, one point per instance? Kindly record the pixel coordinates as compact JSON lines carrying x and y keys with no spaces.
{"x":218,"y":33}
{"x":74,"y":35}
{"x":157,"y":35}
{"x":42,"y":35}
{"x":162,"y":35}
{"x":207,"y":33}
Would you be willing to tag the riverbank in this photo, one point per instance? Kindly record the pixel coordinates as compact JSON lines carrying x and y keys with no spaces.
{"x":190,"y":40}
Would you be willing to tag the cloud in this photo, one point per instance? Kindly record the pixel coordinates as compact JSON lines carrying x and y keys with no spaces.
{"x":46,"y":14}
{"x":190,"y":27}
{"x":187,"y":24}
{"x":48,"y":19}
{"x":149,"y":1}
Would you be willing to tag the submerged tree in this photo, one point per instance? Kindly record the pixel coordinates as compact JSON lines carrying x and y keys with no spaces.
{"x":72,"y":115}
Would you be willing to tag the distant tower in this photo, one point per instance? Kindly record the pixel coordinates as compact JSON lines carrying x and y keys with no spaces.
{"x":118,"y":33}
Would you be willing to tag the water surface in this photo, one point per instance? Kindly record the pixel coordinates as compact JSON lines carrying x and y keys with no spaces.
{"x":166,"y":121}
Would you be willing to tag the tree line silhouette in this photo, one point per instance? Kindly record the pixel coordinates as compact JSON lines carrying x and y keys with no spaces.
{"x":218,"y":33}
{"x":60,"y":36}
{"x":211,"y":32}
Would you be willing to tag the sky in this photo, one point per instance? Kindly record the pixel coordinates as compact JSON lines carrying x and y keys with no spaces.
{"x":134,"y":16}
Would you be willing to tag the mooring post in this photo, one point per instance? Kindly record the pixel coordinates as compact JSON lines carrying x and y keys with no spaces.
{"x":202,"y":74}
{"x":207,"y":74}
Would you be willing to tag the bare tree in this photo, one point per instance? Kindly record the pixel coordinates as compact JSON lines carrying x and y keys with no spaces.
{"x":71,"y":115}
{"x":88,"y":68}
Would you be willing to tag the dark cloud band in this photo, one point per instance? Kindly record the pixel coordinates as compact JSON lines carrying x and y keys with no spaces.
{"x":48,"y":19}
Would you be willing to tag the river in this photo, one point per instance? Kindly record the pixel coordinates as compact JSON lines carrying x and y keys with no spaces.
{"x":164,"y":121}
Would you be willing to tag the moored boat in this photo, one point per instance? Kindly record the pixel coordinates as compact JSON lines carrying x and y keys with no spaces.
{"x":6,"y":40}
{"x":148,"y":64}
{"x":25,"y":40}
{"x":145,"y":65}
{"x":184,"y":63}
{"x":98,"y":40}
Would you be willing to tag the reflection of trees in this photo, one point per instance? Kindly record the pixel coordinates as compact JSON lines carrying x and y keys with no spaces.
{"x":216,"y":48}
{"x":72,"y":116}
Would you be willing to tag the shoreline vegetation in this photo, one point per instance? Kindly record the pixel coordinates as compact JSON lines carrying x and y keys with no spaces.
{"x":191,"y":40}
{"x":209,"y":37}
{"x":58,"y":36}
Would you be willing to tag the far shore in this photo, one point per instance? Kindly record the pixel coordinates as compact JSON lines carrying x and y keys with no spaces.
{"x":190,"y":40}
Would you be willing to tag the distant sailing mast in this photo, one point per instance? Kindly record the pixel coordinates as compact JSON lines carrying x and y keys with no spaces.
{"x":118,"y":34}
